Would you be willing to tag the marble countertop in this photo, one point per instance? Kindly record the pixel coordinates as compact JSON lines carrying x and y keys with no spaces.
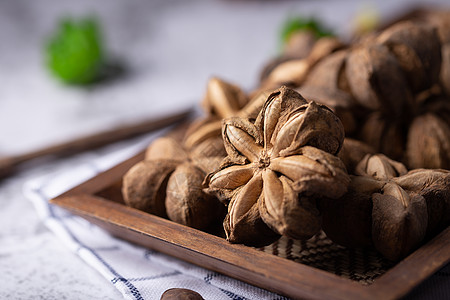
{"x":170,"y":49}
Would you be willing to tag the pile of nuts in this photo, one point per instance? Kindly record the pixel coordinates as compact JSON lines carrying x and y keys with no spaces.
{"x":352,"y":139}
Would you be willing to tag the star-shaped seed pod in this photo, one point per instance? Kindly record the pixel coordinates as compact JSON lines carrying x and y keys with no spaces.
{"x":389,"y":207}
{"x":276,"y":167}
{"x":434,"y":186}
{"x":168,"y":183}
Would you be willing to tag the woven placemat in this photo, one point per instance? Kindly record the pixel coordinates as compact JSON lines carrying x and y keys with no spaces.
{"x":361,"y":265}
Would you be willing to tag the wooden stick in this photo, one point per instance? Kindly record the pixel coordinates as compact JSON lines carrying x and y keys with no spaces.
{"x":10,"y":163}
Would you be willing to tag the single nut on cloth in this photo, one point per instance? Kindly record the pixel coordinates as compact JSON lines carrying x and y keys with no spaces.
{"x":276,"y":167}
{"x":181,"y":294}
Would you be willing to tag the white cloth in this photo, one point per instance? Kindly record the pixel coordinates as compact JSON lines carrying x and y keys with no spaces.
{"x":138,"y":273}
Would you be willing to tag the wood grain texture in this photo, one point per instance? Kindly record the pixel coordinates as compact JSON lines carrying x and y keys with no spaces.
{"x":8,"y":164}
{"x":244,"y":263}
{"x":214,"y":253}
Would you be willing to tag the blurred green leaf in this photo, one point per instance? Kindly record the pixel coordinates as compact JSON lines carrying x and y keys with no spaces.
{"x":298,"y":23}
{"x":74,"y":52}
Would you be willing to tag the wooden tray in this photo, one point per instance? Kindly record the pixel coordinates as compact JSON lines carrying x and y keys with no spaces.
{"x":99,"y":200}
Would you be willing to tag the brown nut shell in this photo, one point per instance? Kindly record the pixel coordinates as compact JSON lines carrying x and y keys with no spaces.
{"x":377,"y":81}
{"x":347,"y":221}
{"x":398,"y":229}
{"x":144,"y":185}
{"x":180,"y":294}
{"x":428,"y":143}
{"x":352,"y":152}
{"x":285,"y":212}
{"x":186,"y":203}
{"x":417,"y":48}
{"x":434,"y":186}
{"x":165,"y":148}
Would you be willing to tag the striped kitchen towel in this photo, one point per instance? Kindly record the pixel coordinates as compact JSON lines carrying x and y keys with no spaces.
{"x":138,"y":273}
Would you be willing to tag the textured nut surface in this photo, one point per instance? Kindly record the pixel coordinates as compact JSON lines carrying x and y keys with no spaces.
{"x":144,"y":185}
{"x":186,"y":203}
{"x":180,"y":294}
{"x":288,"y":151}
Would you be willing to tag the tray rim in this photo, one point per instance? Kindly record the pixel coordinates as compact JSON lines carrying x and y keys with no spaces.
{"x":301,"y":281}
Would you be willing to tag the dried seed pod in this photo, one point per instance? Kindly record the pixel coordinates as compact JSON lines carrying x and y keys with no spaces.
{"x":144,"y":185}
{"x":180,"y":294}
{"x":326,"y":72}
{"x":384,"y":136}
{"x":166,"y":148}
{"x":201,"y":130}
{"x":277,"y":108}
{"x":254,"y":106}
{"x":243,"y":223}
{"x":314,"y":172}
{"x":285,"y":212}
{"x":208,"y":164}
{"x":347,"y":220}
{"x":380,"y":167}
{"x":294,"y":71}
{"x":324,"y":47}
{"x":289,"y":122}
{"x":377,"y":81}
{"x":223,"y":99}
{"x":242,"y":140}
{"x":225,"y":182}
{"x":428,"y":144}
{"x":264,"y":169}
{"x":352,"y":152}
{"x":399,"y":221}
{"x":312,"y":124}
{"x":271,"y":65}
{"x":434,"y":186}
{"x":211,"y":147}
{"x":419,"y":60}
{"x":186,"y":203}
{"x":338,"y":101}
{"x":323,"y":85}
{"x":298,"y":46}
